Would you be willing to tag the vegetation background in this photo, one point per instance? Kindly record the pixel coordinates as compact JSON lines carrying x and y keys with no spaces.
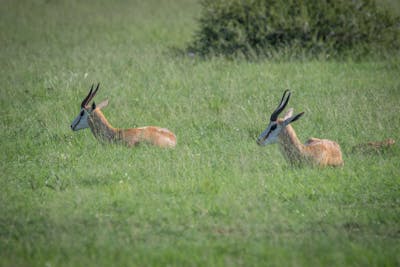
{"x":217,"y":199}
{"x":291,"y":29}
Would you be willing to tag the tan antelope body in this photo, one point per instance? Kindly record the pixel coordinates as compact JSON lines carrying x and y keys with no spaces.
{"x":320,"y":152}
{"x":315,"y":151}
{"x":92,"y":117}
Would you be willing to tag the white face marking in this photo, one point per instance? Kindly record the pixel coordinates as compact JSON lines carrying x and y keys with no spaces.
{"x":270,"y":134}
{"x":81,"y":121}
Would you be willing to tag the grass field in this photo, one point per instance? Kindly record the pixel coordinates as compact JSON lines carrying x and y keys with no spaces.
{"x":217,"y":199}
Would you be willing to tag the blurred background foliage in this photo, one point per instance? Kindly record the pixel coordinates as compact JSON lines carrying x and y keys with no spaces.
{"x":338,"y":28}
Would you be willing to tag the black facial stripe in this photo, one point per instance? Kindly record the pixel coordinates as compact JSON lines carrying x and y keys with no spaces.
{"x":273,"y":127}
{"x":73,"y":127}
{"x":266,"y":136}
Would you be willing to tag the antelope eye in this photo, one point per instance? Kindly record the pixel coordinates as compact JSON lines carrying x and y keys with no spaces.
{"x":273,"y":127}
{"x":82,"y":112}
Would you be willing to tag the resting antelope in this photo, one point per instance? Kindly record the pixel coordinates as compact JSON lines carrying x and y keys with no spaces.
{"x":91,"y":116}
{"x":320,"y":152}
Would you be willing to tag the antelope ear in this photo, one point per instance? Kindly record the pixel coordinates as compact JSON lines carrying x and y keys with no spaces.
{"x":288,"y":114}
{"x":293,"y":118}
{"x":102,"y":104}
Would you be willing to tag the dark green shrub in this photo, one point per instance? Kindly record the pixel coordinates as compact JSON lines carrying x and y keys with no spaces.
{"x":265,"y":27}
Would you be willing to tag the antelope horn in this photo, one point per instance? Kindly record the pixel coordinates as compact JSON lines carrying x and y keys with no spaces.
{"x":90,"y":96}
{"x":282,"y":105}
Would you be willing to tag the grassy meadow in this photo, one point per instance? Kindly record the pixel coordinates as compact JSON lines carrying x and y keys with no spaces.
{"x":217,"y":199}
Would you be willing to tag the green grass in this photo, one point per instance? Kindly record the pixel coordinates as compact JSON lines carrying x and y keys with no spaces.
{"x":217,"y":199}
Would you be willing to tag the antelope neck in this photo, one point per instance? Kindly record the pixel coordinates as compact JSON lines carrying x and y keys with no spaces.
{"x":290,"y":144}
{"x":101,"y":128}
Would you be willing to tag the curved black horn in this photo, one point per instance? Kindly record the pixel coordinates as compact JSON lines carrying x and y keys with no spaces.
{"x":84,"y":102}
{"x":90,"y":96}
{"x":282,"y":105}
{"x":95,"y":91}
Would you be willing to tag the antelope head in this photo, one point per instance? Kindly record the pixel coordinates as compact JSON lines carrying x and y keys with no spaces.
{"x":81,"y":121}
{"x":275,"y":126}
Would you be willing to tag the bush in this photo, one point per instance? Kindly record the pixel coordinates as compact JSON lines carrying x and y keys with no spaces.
{"x":264,"y":27}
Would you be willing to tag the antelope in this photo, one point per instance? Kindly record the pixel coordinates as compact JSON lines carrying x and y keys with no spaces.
{"x":374,"y":146}
{"x":318,"y":152}
{"x":91,"y":117}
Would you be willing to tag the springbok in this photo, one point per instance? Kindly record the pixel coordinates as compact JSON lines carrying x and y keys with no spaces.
{"x":319,"y":152}
{"x":91,"y":116}
{"x":376,"y":147}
